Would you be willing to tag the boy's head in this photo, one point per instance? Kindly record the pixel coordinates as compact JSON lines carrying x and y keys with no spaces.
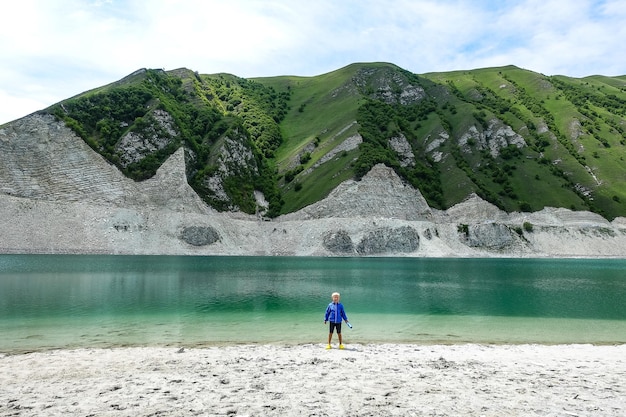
{"x":335,"y":297}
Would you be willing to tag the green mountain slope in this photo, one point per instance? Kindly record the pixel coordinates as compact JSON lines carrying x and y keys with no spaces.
{"x":574,"y":131}
{"x":519,"y":139}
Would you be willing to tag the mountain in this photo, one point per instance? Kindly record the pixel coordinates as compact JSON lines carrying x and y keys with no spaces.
{"x":369,"y":159}
{"x":518,"y":139}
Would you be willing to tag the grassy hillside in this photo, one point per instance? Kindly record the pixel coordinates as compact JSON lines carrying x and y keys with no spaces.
{"x":519,"y":139}
{"x":574,"y":130}
{"x":321,"y":116}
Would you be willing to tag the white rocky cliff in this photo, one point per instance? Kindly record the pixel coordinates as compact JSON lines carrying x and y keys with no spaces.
{"x":59,"y":196}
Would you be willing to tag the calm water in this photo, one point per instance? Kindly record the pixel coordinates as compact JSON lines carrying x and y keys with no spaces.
{"x":51,"y":301}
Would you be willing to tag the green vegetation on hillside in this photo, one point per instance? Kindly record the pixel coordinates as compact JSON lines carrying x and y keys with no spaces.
{"x":379,"y":122}
{"x":201,"y":117}
{"x":519,"y":139}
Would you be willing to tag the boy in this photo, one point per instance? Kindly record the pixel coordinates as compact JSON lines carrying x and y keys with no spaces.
{"x":334,"y":313}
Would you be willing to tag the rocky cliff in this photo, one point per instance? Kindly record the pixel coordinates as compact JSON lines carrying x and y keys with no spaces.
{"x":58,"y":196}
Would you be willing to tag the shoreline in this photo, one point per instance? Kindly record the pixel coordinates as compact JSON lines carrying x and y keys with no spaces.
{"x":478,"y":255}
{"x":186,"y":347}
{"x":306,"y":379}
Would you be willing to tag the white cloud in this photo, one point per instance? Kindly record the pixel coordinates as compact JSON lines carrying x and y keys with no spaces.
{"x":54,"y":49}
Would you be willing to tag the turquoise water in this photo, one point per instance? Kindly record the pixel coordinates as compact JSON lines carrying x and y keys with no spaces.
{"x":59,"y":301}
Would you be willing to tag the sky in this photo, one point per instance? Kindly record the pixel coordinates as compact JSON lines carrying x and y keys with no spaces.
{"x":54,"y":49}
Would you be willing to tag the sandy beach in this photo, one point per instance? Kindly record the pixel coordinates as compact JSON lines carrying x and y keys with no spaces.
{"x":308,"y":380}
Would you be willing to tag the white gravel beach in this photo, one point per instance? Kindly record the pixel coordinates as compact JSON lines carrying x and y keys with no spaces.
{"x":308,"y":380}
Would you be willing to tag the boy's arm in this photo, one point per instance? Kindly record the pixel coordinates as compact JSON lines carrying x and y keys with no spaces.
{"x":343,"y":313}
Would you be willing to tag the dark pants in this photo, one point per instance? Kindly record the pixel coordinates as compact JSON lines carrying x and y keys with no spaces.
{"x":334,"y":326}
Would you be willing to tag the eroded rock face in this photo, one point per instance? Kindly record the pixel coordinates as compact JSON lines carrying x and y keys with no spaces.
{"x":349,"y":144}
{"x":383,"y":240}
{"x":58,"y":196}
{"x":41,"y":158}
{"x":199,"y":235}
{"x":491,"y":236}
{"x":235,"y":157}
{"x":160,"y":131}
{"x":389,"y":86}
{"x":389,"y":241}
{"x":381,"y":193}
{"x":338,"y":242}
{"x":403,"y":148}
{"x":496,"y":137}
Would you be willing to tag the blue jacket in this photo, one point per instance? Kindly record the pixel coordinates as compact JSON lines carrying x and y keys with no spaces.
{"x":335,"y":312}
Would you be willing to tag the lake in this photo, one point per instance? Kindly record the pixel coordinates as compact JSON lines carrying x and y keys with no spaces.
{"x":67,"y":301}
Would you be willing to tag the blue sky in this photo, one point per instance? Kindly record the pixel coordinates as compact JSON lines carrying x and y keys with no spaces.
{"x":54,"y":49}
